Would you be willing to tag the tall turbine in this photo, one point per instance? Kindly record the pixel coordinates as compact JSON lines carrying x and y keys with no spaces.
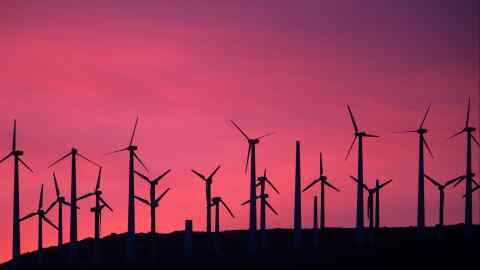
{"x":468,"y":228}
{"x":72,"y":251}
{"x":131,"y":148}
{"x":252,"y":228}
{"x":264,"y":204}
{"x":323,"y":180}
{"x":60,"y":200}
{"x":422,"y":143}
{"x":16,"y":192}
{"x":208,"y":194}
{"x":41,"y":217}
{"x":216,"y":201}
{"x":360,"y":230}
{"x":297,"y":210}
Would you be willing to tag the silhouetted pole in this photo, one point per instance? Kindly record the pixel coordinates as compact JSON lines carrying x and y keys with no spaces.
{"x":187,"y":244}
{"x":322,"y":205}
{"x":73,"y":209}
{"x":60,"y":224}
{"x":16,"y":209}
{"x":208,"y":192}
{"x":252,"y":232}
{"x":370,"y":215}
{"x":440,"y":214}
{"x":40,"y":239}
{"x":468,"y":229}
{"x":297,"y":220}
{"x":377,"y":205}
{"x":130,"y":252}
{"x":153,"y":215}
{"x":217,"y":227}
{"x":421,"y":192}
{"x":315,"y":221}
{"x":263,"y":222}
{"x":360,"y":232}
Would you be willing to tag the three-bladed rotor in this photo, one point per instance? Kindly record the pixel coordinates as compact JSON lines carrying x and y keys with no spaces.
{"x":357,"y":133}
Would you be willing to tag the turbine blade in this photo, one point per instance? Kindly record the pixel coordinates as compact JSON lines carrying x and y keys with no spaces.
{"x":214,"y":172}
{"x":116,"y":151}
{"x":432,"y":180}
{"x":92,"y":162}
{"x":475,"y":140}
{"x":51,"y":206}
{"x":228,"y":209}
{"x":140,"y":161}
{"x":68,"y":204}
{"x":85,"y":196}
{"x":57,"y":190}
{"x":248,"y":156}
{"x":456,"y":179}
{"x":473,"y":190}
{"x":356,"y":180}
{"x":351,"y":146}
{"x":133,"y":133}
{"x":467,"y":122}
{"x":199,"y":175}
{"x":246,"y":202}
{"x":425,"y":117}
{"x":460,"y":180}
{"x":40,"y":201}
{"x":142,"y":200}
{"x":331,"y":186}
{"x":25,"y":164}
{"x":428,"y":147}
{"x":272,"y":186}
{"x":265,"y":173}
{"x":14,"y":143}
{"x":162,"y":195}
{"x":371,"y":136}
{"x":49,"y":222}
{"x":384,"y":184}
{"x":6,"y":157}
{"x":310,"y":185}
{"x":241,"y":131}
{"x":28,"y":216}
{"x":271,"y":208}
{"x":105,"y":204}
{"x":142,"y":176}
{"x":161,"y":176}
{"x":266,"y":135}
{"x":60,"y":159}
{"x":355,"y":127}
{"x":456,"y":134}
{"x":321,"y":164}
{"x":99,"y":177}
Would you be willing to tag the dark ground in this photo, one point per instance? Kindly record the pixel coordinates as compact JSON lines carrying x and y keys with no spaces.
{"x":393,"y":248}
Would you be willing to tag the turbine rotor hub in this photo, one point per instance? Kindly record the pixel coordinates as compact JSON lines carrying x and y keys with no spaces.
{"x":132,"y":148}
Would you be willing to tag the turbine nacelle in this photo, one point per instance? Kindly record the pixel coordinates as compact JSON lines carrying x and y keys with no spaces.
{"x":253,"y":141}
{"x":17,"y":153}
{"x":132,"y":148}
{"x":422,"y":131}
{"x":74,"y":151}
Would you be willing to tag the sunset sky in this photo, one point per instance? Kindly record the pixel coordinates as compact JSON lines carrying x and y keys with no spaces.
{"x":78,"y":74}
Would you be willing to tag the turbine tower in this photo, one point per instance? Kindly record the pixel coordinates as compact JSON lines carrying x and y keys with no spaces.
{"x":41,"y":217}
{"x":208,"y":192}
{"x":131,"y":148}
{"x":468,"y":228}
{"x":60,"y":200}
{"x":216,"y":201}
{"x":297,"y":210}
{"x":262,"y":181}
{"x":16,"y":192}
{"x":360,"y":230}
{"x":72,"y":252}
{"x":252,"y":228}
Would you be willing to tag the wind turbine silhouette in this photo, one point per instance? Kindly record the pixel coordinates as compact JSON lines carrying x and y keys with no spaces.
{"x":16,"y":192}
{"x":41,"y":217}
{"x":216,"y":201}
{"x":73,"y":199}
{"x":323,"y":180}
{"x":370,"y":205}
{"x":208,"y":192}
{"x":262,"y":181}
{"x":441,"y":189}
{"x":422,"y":143}
{"x":131,"y":148}
{"x":360,"y":231}
{"x":60,"y":200}
{"x":100,"y":204}
{"x":252,"y":228}
{"x":468,"y":228}
{"x":153,"y":201}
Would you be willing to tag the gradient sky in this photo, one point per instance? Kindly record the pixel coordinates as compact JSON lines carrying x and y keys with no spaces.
{"x":78,"y":74}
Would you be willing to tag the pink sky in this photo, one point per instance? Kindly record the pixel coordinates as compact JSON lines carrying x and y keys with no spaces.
{"x":78,"y":75}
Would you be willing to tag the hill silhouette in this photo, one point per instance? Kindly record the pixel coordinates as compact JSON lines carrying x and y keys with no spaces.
{"x":393,"y":248}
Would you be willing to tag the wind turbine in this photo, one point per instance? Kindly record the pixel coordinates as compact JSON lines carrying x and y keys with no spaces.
{"x":73,"y":199}
{"x":252,"y":228}
{"x":60,"y":200}
{"x":360,"y":231}
{"x":16,"y":192}
{"x":216,"y":201}
{"x":323,"y":180}
{"x":262,"y":182}
{"x":131,"y":148}
{"x":41,"y":217}
{"x":422,"y":143}
{"x":208,"y":191}
{"x":100,"y":204}
{"x":468,"y":228}
{"x":441,"y":189}
{"x":370,"y":204}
